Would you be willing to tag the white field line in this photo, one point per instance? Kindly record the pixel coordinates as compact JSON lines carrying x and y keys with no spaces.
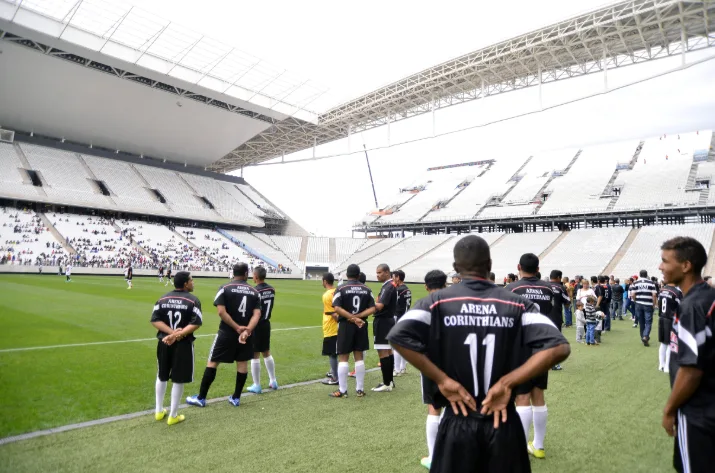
{"x":133,"y":415}
{"x":110,"y":342}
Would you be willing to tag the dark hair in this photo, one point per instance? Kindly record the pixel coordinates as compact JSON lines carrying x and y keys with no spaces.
{"x":329,"y":278}
{"x":362,"y":278}
{"x":181,"y":278}
{"x":602,"y":279}
{"x":472,"y":255}
{"x":618,"y":281}
{"x":400,"y":274}
{"x":688,"y":249}
{"x":538,"y":275}
{"x":643,"y":273}
{"x":435,"y":279}
{"x":240,"y":269}
{"x":259,"y":272}
{"x":492,"y":276}
{"x":353,"y":271}
{"x":512,"y":276}
{"x":383,"y":267}
{"x":555,"y":274}
{"x":594,"y":279}
{"x":529,"y":263}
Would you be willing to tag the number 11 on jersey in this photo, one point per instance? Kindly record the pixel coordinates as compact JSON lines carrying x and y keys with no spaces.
{"x":488,"y":361}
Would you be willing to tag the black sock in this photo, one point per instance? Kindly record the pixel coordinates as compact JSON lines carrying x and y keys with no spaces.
{"x":209,"y":376}
{"x":390,"y":368}
{"x":387,"y":364}
{"x":240,"y":383}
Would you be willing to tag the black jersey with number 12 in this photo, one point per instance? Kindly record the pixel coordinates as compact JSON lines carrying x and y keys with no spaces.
{"x":475,"y":332}
{"x":177,"y":309}
{"x":240,"y":301}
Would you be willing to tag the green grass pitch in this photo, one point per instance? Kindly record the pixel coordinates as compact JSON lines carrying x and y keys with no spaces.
{"x":604,"y":407}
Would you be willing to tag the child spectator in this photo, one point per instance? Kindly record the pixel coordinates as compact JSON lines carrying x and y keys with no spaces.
{"x":580,"y":323}
{"x":591,"y":315}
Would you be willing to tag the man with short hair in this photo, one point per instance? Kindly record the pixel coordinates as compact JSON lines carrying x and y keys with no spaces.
{"x":561,"y":302}
{"x":384,"y":320}
{"x":168,"y":275}
{"x":492,"y":277}
{"x":473,"y":364}
{"x":68,"y":273}
{"x":176,"y":316}
{"x":668,"y":301}
{"x":404,"y":301}
{"x":262,"y":336}
{"x":456,"y":278}
{"x":530,"y":402}
{"x":692,"y":360}
{"x":435,"y":280}
{"x":330,"y":329}
{"x":616,"y":300}
{"x":129,"y":276}
{"x":603,"y":300}
{"x":644,"y":295}
{"x":353,"y":302}
{"x":239,"y":307}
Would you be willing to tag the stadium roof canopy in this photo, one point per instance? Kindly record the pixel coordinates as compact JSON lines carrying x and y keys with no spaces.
{"x":241,"y":108}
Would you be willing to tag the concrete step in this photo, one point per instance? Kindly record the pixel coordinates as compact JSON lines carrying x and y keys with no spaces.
{"x":621,"y":251}
{"x":553,"y":245}
{"x":55,"y":233}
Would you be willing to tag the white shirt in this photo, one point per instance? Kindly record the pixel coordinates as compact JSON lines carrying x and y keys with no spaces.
{"x":68,"y":270}
{"x":584,"y":293}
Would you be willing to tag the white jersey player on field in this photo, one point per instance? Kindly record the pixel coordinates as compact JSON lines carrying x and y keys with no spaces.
{"x":68,"y":273}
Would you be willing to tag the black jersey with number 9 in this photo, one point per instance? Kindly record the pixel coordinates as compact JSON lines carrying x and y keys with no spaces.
{"x":475,"y":332}
{"x":353,"y":297}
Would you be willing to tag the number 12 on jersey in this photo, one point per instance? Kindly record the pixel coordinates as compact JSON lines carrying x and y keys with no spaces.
{"x":488,"y":361}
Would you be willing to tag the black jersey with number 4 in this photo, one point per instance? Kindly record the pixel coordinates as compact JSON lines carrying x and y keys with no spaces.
{"x":240,"y":300}
{"x":692,"y":344}
{"x":404,"y":300}
{"x":353,"y":297}
{"x":177,"y":309}
{"x":268,"y":297}
{"x":475,"y":332}
{"x":537,"y":291}
{"x":668,"y":301}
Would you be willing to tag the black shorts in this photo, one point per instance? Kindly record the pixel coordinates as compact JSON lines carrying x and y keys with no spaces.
{"x":541,"y":382}
{"x":694,"y":450}
{"x":262,"y":337}
{"x":175,"y":362}
{"x":664,"y":326}
{"x":226,"y":349}
{"x":472,"y":445}
{"x":351,"y":338}
{"x":380,"y":328}
{"x":429,"y":389}
{"x":330,"y":346}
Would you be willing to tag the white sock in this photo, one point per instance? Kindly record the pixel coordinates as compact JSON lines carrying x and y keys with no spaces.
{"x":271,"y":368}
{"x":160,"y":391}
{"x":661,"y":355}
{"x":666,"y":366}
{"x":540,"y":416}
{"x":343,"y":369}
{"x":256,"y":371}
{"x":360,"y":375}
{"x":432,"y":428}
{"x":398,"y":361}
{"x":177,"y":392}
{"x":526,"y":417}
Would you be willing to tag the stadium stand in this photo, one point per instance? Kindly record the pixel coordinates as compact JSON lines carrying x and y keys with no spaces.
{"x":290,"y":245}
{"x":11,"y":178}
{"x":645,"y":249}
{"x":405,"y":251}
{"x":345,"y":247}
{"x":506,"y":251}
{"x":177,"y":193}
{"x":224,"y":203}
{"x":265,"y":251}
{"x":585,"y":252}
{"x":259,"y":201}
{"x":218,"y":248}
{"x":25,"y":240}
{"x":318,"y":250}
{"x":367,"y":252}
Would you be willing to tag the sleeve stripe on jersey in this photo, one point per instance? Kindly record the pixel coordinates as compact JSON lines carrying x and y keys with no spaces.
{"x":335,"y":297}
{"x":687,"y":338}
{"x":220,"y":291}
{"x":156,"y":307}
{"x":418,"y":315}
{"x":530,"y":318}
{"x":483,"y":299}
{"x":197,"y":311}
{"x":710,"y":312}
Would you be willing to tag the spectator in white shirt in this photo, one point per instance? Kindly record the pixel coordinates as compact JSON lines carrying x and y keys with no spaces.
{"x":585,"y":291}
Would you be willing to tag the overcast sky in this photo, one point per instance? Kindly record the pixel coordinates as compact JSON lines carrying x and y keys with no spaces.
{"x":355,"y":50}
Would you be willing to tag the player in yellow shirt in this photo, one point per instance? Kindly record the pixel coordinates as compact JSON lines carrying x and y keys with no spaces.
{"x":330,"y":329}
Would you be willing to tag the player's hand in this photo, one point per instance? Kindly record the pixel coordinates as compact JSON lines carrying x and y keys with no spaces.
{"x":457,"y":396}
{"x":359,"y":322}
{"x":169,"y":339}
{"x":240,"y":329}
{"x":669,"y":424}
{"x":243,"y":337}
{"x":497,"y":399}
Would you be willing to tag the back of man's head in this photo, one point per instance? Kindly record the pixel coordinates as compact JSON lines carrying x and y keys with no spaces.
{"x":602,"y":279}
{"x":259,"y":272}
{"x":353,"y":271}
{"x":472,"y":256}
{"x":435,"y":279}
{"x":181,"y":278}
{"x":329,"y":278}
{"x":362,"y":278}
{"x":555,"y":275}
{"x":492,"y":276}
{"x":240,"y":270}
{"x":400,"y":274}
{"x":643,"y":273}
{"x":529,"y":263}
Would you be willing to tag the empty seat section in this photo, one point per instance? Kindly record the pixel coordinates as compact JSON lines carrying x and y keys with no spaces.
{"x":290,"y":245}
{"x":224,"y":203}
{"x":264,"y":249}
{"x":345,"y":247}
{"x":507,"y":251}
{"x":12,"y":183}
{"x":402,"y":253}
{"x":585,"y":252}
{"x":367,"y":253}
{"x":257,"y":199}
{"x":318,"y":250}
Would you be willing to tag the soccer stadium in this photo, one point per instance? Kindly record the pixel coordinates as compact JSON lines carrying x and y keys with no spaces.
{"x":146,"y":164}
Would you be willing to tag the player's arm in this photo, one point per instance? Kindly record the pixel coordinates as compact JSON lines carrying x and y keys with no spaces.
{"x":251,"y":325}
{"x":162,"y":327}
{"x":655,"y":298}
{"x":686,"y":383}
{"x":347,"y":315}
{"x":194,"y":324}
{"x":226,"y":318}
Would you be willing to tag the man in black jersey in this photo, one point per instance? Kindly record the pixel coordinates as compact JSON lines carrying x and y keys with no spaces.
{"x":384,"y":310}
{"x":262,"y":337}
{"x":168,"y":275}
{"x":530,"y":402}
{"x":691,"y":405}
{"x":176,"y":316}
{"x":239,"y":307}
{"x":468,"y":339}
{"x":404,"y":301}
{"x":603,"y":300}
{"x":561,"y":301}
{"x":668,"y":301}
{"x":129,"y":274}
{"x":353,"y":302}
{"x":161,"y":273}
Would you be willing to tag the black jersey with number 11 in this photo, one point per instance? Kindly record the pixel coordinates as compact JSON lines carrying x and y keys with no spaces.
{"x":475,"y":332}
{"x":177,"y":309}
